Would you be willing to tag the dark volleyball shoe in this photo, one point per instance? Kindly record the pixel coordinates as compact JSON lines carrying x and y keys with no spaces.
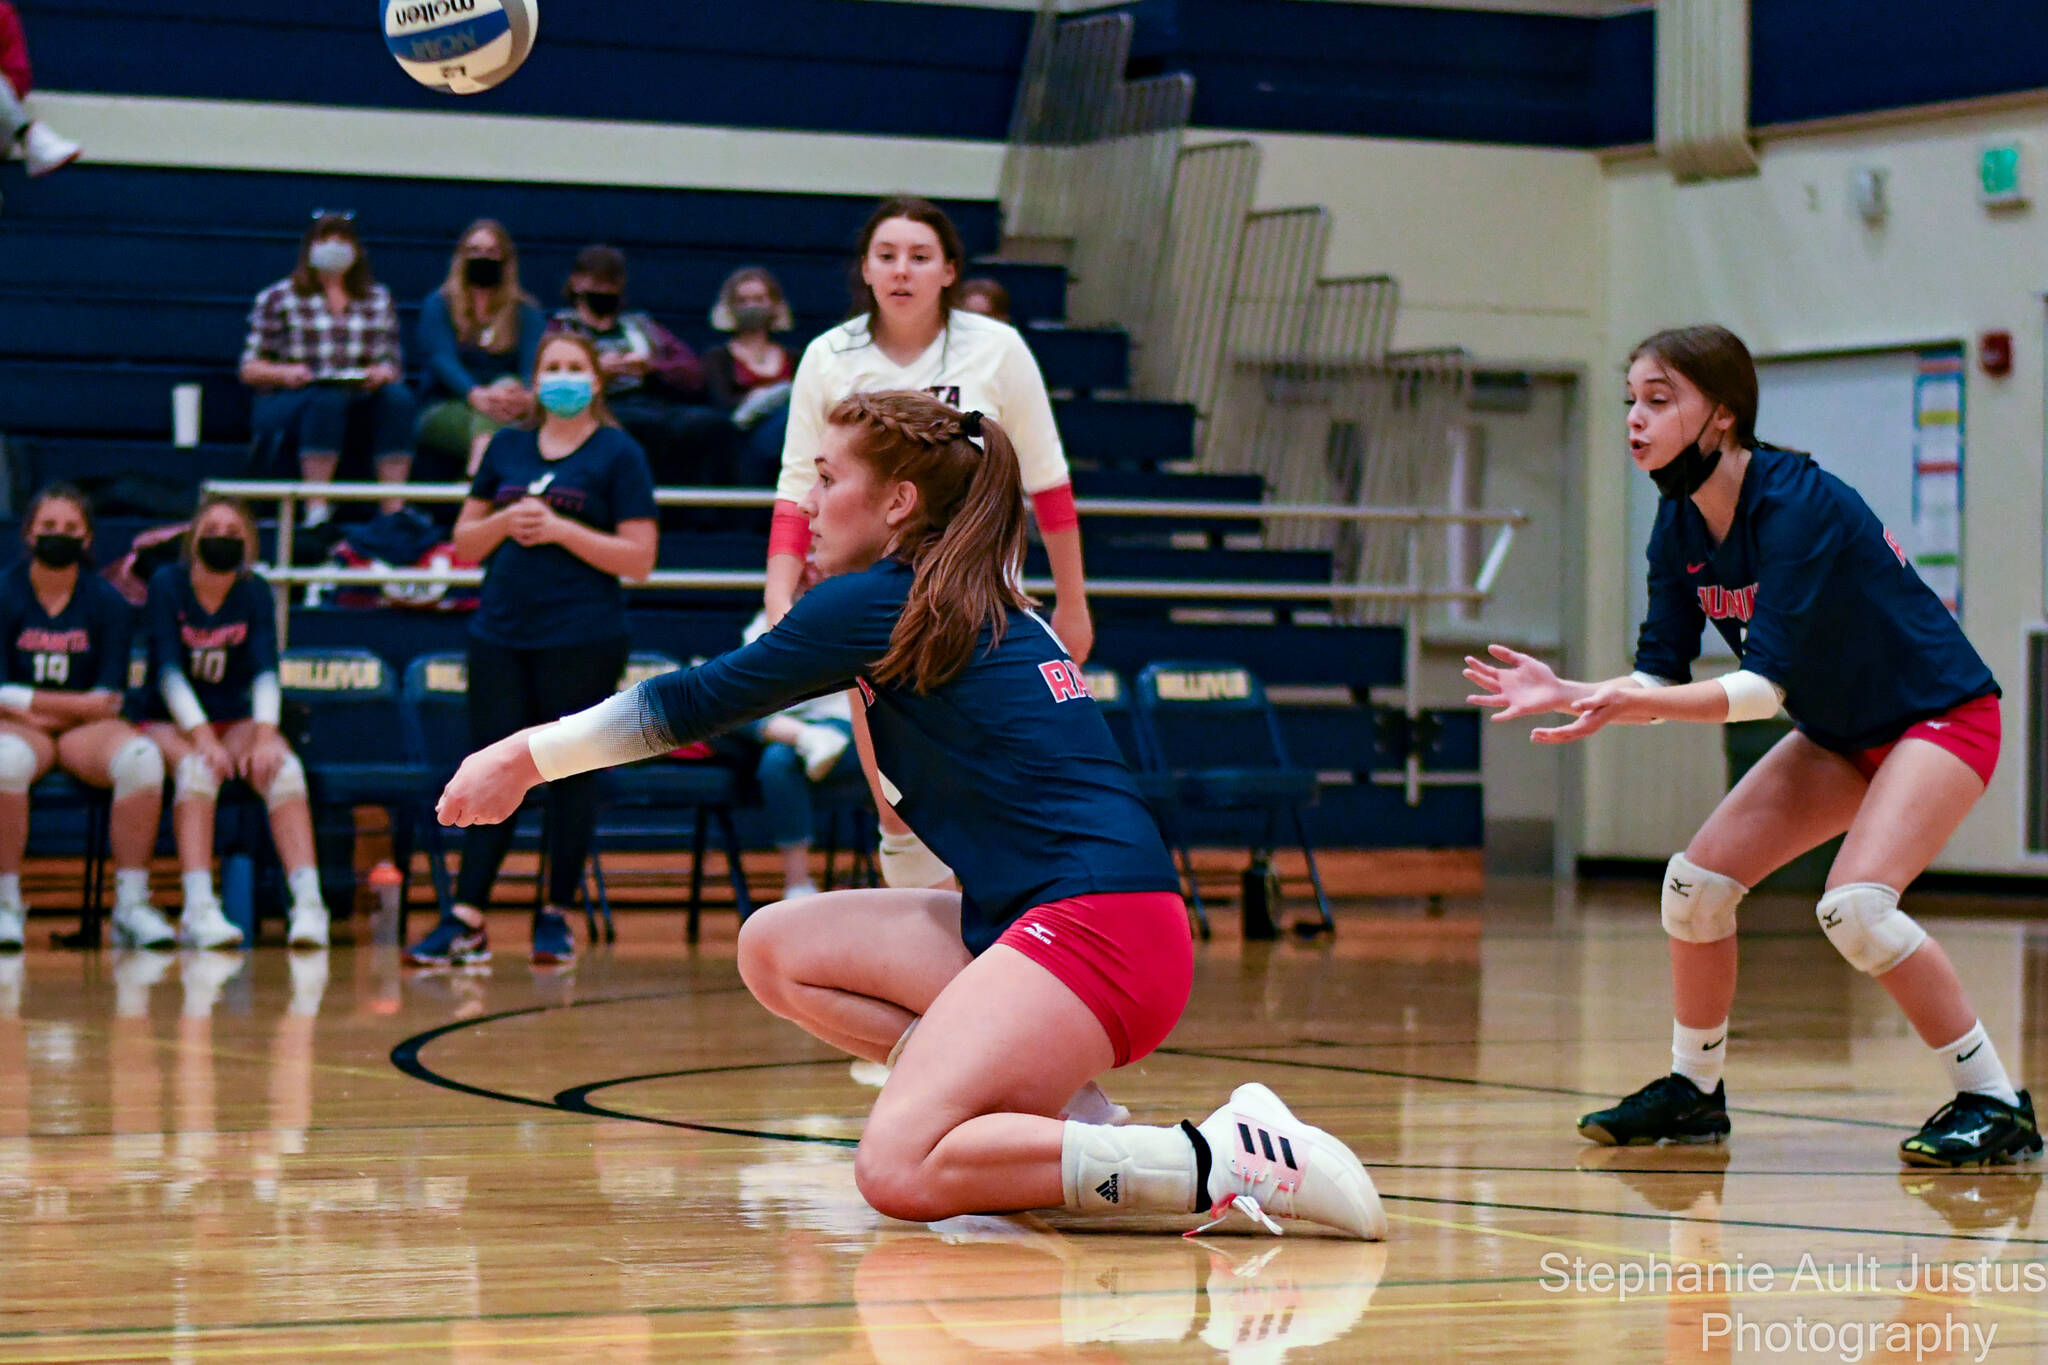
{"x":1975,"y":1130}
{"x":1668,"y":1109}
{"x":554,"y":943}
{"x":450,"y":943}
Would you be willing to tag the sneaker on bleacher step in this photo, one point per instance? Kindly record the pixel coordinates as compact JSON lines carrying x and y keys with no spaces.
{"x":13,"y":928}
{"x":451,"y":942}
{"x":46,"y":150}
{"x":138,"y":924}
{"x":202,"y":925}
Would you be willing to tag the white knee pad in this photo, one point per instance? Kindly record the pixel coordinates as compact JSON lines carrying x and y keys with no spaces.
{"x":1699,"y":905}
{"x":288,"y":785}
{"x":195,"y":780}
{"x":137,"y":767}
{"x":1864,"y":922}
{"x":17,"y":765}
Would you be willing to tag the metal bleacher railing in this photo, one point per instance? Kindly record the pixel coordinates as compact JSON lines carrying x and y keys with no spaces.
{"x":1412,"y":596}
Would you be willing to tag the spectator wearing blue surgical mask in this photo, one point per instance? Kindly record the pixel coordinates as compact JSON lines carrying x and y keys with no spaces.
{"x":559,"y":513}
{"x":322,"y":353}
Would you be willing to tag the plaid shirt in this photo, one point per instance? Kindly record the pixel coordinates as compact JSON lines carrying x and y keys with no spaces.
{"x":297,"y":329}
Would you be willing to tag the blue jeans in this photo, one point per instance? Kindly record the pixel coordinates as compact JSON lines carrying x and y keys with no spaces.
{"x":786,"y":791}
{"x":315,"y":420}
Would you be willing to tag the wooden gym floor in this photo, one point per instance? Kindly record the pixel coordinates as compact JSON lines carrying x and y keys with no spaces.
{"x":280,"y":1158}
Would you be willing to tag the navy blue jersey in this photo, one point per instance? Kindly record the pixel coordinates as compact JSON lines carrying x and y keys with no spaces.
{"x":542,"y":596}
{"x":83,"y":648}
{"x":1813,"y":593}
{"x":220,"y":653}
{"x":1008,"y":772}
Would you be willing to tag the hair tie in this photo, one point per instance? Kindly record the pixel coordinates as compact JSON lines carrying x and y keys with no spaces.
{"x":970,"y":425}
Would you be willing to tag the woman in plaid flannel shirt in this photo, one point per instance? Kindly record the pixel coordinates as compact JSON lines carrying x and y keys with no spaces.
{"x":323,"y":350}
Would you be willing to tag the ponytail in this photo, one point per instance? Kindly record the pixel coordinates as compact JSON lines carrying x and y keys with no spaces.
{"x":965,"y":539}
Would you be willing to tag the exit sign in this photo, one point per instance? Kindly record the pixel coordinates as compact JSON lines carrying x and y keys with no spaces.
{"x":2001,"y":175}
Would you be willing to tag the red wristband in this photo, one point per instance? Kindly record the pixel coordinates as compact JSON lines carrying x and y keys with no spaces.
{"x":1055,"y":508}
{"x":789,"y":531}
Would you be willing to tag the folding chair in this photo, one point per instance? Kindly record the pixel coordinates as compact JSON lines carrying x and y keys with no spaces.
{"x":356,"y":753}
{"x":1213,"y":730}
{"x":1158,"y":787}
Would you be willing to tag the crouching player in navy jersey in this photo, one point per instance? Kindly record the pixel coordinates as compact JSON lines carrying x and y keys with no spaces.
{"x":1898,"y":732}
{"x":1067,"y":950}
{"x":63,"y":669}
{"x":213,"y":704}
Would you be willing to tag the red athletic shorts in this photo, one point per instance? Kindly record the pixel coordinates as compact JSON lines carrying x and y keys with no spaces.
{"x":1970,"y":732}
{"x":1128,"y":955}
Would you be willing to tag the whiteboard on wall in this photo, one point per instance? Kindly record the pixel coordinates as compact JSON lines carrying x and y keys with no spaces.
{"x":1855,"y":414}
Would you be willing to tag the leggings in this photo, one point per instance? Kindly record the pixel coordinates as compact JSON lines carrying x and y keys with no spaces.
{"x":510,"y":689}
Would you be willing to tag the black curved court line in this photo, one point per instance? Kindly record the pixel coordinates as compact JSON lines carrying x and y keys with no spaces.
{"x":575,"y":1100}
{"x":1496,"y":1085}
{"x":406,"y":1057}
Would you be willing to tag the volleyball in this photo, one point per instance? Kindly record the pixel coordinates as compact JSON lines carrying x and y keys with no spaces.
{"x":460,"y":47}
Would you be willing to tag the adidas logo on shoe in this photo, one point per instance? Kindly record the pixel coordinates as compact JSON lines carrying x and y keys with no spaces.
{"x":1107,"y":1189}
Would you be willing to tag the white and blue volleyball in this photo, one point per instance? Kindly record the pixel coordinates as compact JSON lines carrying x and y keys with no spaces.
{"x":460,"y":47}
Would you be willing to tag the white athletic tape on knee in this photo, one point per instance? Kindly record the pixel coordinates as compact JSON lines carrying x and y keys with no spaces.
{"x":288,"y":785}
{"x":1699,"y":905}
{"x":907,"y":863}
{"x":137,"y":767}
{"x":195,"y":780}
{"x":1864,"y":922}
{"x":17,"y":764}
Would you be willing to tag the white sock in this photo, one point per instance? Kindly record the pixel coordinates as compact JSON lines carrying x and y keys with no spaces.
{"x":1698,"y":1054}
{"x":198,"y":888}
{"x":305,"y":885}
{"x":131,"y":886}
{"x":10,"y":890}
{"x":1127,"y":1170}
{"x":1972,"y":1064}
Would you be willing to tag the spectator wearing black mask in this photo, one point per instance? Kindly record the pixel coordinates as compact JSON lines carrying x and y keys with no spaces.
{"x":749,"y":375}
{"x":653,"y":383}
{"x":478,"y":334}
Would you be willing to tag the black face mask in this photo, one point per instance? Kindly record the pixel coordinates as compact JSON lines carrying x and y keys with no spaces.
{"x":602,"y":302}
{"x":58,"y":551}
{"x":222,"y":554}
{"x":1688,"y":470}
{"x":482,"y":272}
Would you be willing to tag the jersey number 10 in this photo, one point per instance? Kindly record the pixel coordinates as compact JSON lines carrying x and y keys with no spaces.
{"x":53,"y":669}
{"x":209,"y":665}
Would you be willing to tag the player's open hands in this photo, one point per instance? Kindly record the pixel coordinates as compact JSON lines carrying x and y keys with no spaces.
{"x":1613,"y":703}
{"x":490,"y":784}
{"x":1517,"y":686}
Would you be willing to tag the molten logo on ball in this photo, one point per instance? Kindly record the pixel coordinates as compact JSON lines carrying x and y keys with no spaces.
{"x":461,"y":47}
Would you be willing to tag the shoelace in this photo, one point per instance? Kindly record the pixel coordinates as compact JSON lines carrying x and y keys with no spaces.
{"x":1244,"y":1204}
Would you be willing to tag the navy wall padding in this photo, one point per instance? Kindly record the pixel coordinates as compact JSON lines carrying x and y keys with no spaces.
{"x":1813,"y":59}
{"x":281,"y":202}
{"x":824,"y":65}
{"x":1392,"y":71}
{"x":1625,"y":79}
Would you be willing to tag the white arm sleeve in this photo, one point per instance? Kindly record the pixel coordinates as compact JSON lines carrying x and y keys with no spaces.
{"x":1650,"y":680}
{"x":1751,"y":696}
{"x":810,"y":398}
{"x":266,"y":699}
{"x":614,"y":731}
{"x":186,"y":712}
{"x":1027,"y":416}
{"x":17,"y":697}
